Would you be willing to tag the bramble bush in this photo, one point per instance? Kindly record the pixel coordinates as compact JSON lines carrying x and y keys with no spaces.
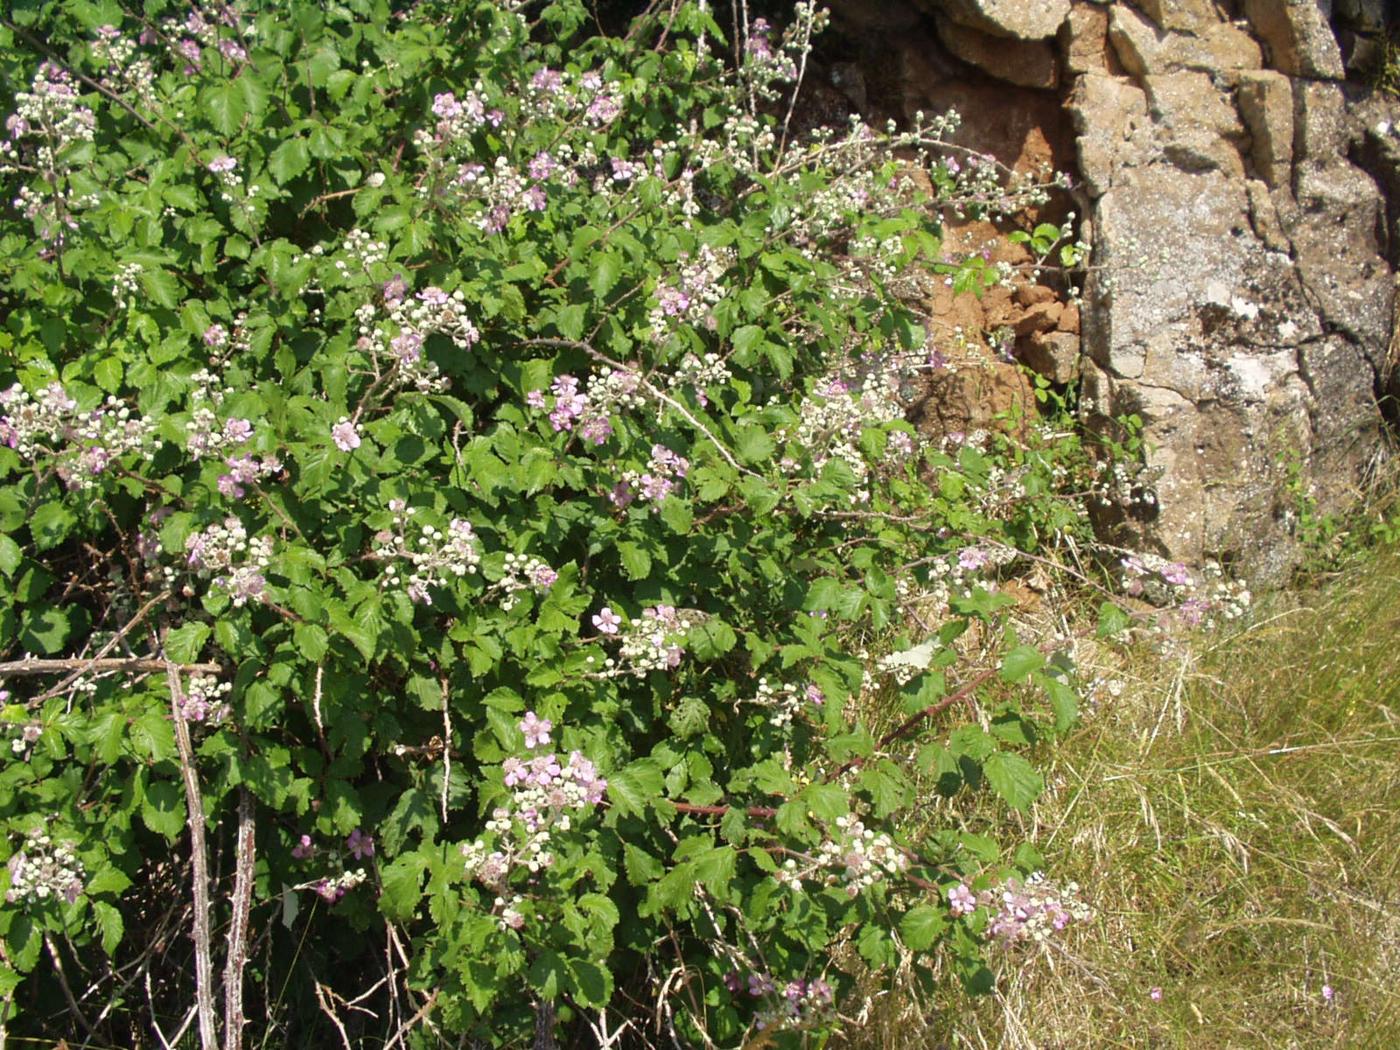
{"x":461,"y":537}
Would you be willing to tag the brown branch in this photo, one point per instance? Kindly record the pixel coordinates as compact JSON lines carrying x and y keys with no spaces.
{"x":133,"y":665}
{"x":912,"y":722}
{"x":67,"y":990}
{"x":199,"y":859}
{"x":758,"y":812}
{"x":111,"y":644}
{"x":238,"y":926}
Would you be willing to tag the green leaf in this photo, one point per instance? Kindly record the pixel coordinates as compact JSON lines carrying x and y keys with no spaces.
{"x":46,"y":630}
{"x":108,"y":374}
{"x":1112,"y":620}
{"x":50,"y":524}
{"x":921,"y":926}
{"x":636,"y":562}
{"x":109,"y":921}
{"x":402,"y":883}
{"x":10,"y":555}
{"x":607,"y":268}
{"x":592,"y":983}
{"x":163,"y":809}
{"x":635,"y":787}
{"x":226,"y":105}
{"x":1013,"y":778}
{"x":184,"y":644}
{"x":161,"y":287}
{"x":289,"y":160}
{"x":311,"y":641}
{"x":1020,"y":662}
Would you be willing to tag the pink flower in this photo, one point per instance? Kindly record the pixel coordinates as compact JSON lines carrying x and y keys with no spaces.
{"x":1155,"y":995}
{"x":303,"y":848}
{"x":215,"y":334}
{"x":536,"y":730}
{"x":815,"y":695}
{"x":360,"y":844}
{"x":972,"y":558}
{"x":961,"y":900}
{"x":1328,"y":993}
{"x":222,"y":163}
{"x":607,"y":621}
{"x":535,"y":399}
{"x":345,"y":435}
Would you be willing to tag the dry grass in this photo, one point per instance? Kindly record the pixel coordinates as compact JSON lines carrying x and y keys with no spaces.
{"x":1234,"y":817}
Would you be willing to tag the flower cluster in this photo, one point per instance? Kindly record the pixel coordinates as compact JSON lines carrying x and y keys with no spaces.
{"x":589,"y":413}
{"x":432,"y":311}
{"x":786,"y":702}
{"x":42,"y":870}
{"x":48,"y":117}
{"x":245,"y":470}
{"x":226,"y":169}
{"x":189,"y":36}
{"x":235,"y":562}
{"x":204,"y":700}
{"x":1031,"y":911}
{"x":690,"y":295}
{"x":125,"y":72}
{"x":651,"y":643}
{"x":85,"y":443}
{"x":697,"y":373}
{"x":796,"y":1002}
{"x":832,"y":417}
{"x":547,"y":794}
{"x":205,"y":435}
{"x":331,"y":890}
{"x":665,"y":470}
{"x":28,"y":734}
{"x":522,"y":573}
{"x":855,"y":857}
{"x":434,"y":557}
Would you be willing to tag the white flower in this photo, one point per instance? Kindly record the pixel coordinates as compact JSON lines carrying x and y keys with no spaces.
{"x":345,"y":435}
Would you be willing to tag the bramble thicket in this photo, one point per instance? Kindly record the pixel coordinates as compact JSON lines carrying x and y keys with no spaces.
{"x":467,"y":575}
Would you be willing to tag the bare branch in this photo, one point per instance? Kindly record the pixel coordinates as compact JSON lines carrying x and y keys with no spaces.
{"x":199,"y":859}
{"x":238,"y":926}
{"x":132,"y":665}
{"x":111,"y":644}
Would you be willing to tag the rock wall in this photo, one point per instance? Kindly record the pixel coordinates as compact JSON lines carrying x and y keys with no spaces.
{"x":1234,"y":187}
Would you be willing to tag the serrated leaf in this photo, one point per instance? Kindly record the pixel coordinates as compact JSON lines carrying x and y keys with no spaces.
{"x":1112,"y":620}
{"x":1013,"y":778}
{"x":163,"y":809}
{"x":1020,"y":662}
{"x":162,"y":287}
{"x":10,"y":555}
{"x":226,"y":105}
{"x":636,"y":786}
{"x":402,"y":887}
{"x":107,"y":373}
{"x":636,"y":562}
{"x":109,"y":921}
{"x":289,"y":160}
{"x":184,"y":644}
{"x":607,"y":268}
{"x":921,"y":926}
{"x":50,"y":524}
